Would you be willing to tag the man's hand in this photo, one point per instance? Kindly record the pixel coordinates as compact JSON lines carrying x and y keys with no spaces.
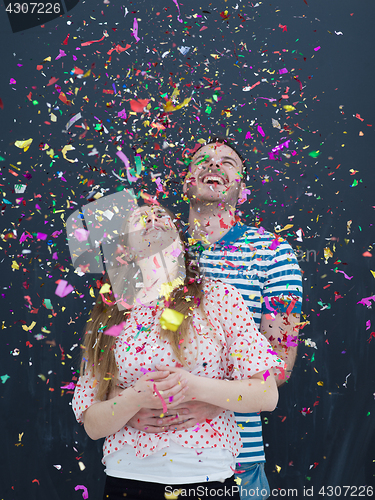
{"x":179,"y":418}
{"x":282,"y":334}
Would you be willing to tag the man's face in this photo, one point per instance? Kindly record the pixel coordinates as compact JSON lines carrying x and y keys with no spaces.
{"x":215,"y":175}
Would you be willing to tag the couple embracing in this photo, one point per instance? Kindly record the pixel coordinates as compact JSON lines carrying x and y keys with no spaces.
{"x":201,"y":350}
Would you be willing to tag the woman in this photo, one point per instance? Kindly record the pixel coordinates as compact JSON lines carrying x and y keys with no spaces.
{"x":199,"y":342}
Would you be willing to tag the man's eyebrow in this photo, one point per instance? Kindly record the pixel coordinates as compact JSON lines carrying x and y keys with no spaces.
{"x":229,"y":158}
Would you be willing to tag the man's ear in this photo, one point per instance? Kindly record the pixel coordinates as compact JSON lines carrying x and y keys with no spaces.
{"x":242,"y":195}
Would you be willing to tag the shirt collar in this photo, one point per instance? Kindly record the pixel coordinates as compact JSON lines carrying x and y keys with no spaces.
{"x":228,"y":240}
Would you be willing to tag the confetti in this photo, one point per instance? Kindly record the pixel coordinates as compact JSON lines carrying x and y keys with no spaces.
{"x":171,"y":319}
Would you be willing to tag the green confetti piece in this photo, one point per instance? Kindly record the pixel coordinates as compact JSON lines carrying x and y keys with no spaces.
{"x":4,"y":378}
{"x":47,"y":303}
{"x":313,"y":357}
{"x":314,"y":154}
{"x":138,"y":163}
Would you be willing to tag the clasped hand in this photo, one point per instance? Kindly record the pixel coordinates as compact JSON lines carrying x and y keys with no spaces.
{"x":168,"y":384}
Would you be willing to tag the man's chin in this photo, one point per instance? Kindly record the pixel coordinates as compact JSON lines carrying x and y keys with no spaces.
{"x":214,"y":197}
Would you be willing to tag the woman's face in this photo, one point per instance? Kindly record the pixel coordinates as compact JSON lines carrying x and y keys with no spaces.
{"x":150,"y":230}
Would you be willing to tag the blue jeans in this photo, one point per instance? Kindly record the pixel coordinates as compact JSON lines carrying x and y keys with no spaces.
{"x":254,"y":483}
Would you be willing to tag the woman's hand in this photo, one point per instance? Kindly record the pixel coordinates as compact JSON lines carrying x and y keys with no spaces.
{"x":155,"y":387}
{"x":189,"y":380}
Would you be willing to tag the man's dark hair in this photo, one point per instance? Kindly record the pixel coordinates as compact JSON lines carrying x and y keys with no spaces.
{"x":226,"y":142}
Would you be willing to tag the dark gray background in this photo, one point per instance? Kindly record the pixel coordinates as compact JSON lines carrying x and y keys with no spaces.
{"x":333,"y":444}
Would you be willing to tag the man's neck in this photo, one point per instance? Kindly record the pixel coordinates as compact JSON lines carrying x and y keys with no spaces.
{"x":209,"y":223}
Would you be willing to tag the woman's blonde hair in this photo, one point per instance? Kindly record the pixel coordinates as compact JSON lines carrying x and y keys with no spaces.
{"x":98,"y":348}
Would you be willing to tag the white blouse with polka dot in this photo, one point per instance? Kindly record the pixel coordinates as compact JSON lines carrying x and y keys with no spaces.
{"x":227,"y":346}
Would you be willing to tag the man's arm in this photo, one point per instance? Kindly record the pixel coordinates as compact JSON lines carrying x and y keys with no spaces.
{"x":182,"y":417}
{"x":282,"y":334}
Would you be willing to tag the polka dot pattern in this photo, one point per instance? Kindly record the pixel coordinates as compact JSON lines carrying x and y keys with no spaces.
{"x":227,"y":346}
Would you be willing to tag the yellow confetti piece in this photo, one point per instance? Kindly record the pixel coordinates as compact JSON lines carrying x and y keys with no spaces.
{"x":81,"y":465}
{"x":171,"y":319}
{"x":15,"y":265}
{"x":320,"y":383}
{"x":288,"y":226}
{"x":65,"y":149}
{"x":239,"y":398}
{"x":27,"y":328}
{"x":327,"y":254}
{"x":238,"y":480}
{"x":288,"y":108}
{"x":167,"y":288}
{"x":278,"y":468}
{"x":105,"y":288}
{"x":23,"y":144}
{"x":372,"y":272}
{"x":169,"y":106}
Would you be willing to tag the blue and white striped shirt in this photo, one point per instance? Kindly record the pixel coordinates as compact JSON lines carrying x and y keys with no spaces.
{"x":264,"y":269}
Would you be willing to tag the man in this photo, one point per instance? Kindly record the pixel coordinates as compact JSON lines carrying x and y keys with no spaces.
{"x":261,"y":266}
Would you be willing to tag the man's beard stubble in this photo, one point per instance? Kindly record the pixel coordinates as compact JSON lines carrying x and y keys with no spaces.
{"x":202,"y":201}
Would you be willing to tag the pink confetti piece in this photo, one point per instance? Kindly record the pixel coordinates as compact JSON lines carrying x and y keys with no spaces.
{"x":85,"y":494}
{"x":176,"y":252}
{"x":70,"y":386}
{"x":248,"y":135}
{"x":281,"y":146}
{"x":125,"y":160}
{"x":61,"y":54}
{"x":368,"y":325}
{"x":282,"y":71}
{"x":244,"y":194}
{"x":54,"y":256}
{"x":179,"y":12}
{"x":272,"y":352}
{"x":63,"y":288}
{"x":165,"y":409}
{"x":115,"y":330}
{"x":317,"y":48}
{"x":346,"y":276}
{"x":274,"y":244}
{"x":41,"y":236}
{"x":24,"y":236}
{"x":268,"y":305}
{"x":261,"y":131}
{"x":266,"y":374}
{"x":81,"y":234}
{"x":366,"y":301}
{"x":12,"y":81}
{"x":196,"y":429}
{"x":260,"y":230}
{"x":159,"y":185}
{"x":135,"y":30}
{"x":291,"y":341}
{"x":122,"y":114}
